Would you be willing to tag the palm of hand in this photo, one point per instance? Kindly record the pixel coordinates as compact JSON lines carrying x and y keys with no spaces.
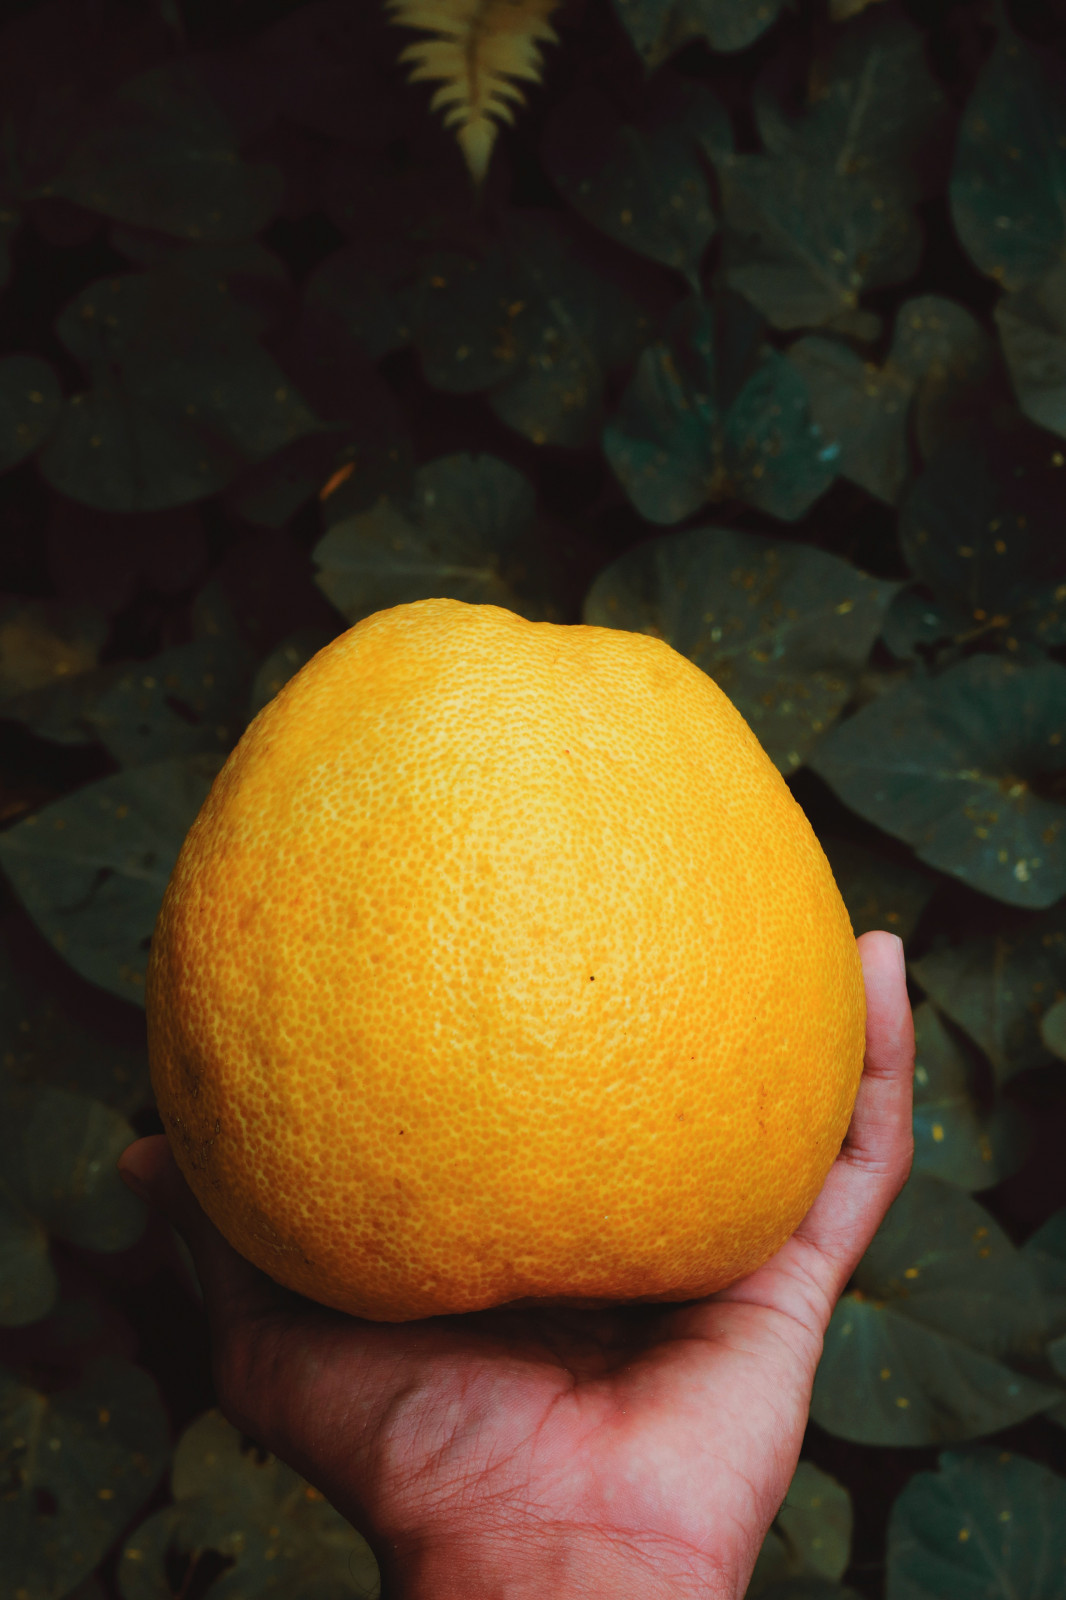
{"x":647,"y":1446}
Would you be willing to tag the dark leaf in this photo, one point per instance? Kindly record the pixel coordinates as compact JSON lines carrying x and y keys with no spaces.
{"x":191,"y":698}
{"x":986,"y":1526}
{"x":91,"y":868}
{"x":1053,"y":1029}
{"x":160,"y":154}
{"x":1009,"y":177}
{"x":981,"y":528}
{"x":30,"y":400}
{"x":532,"y":322}
{"x":278,"y":1535}
{"x":863,"y":408}
{"x":954,"y":1137}
{"x":949,"y":763}
{"x":916,"y":1351}
{"x":1032,"y":327}
{"x":826,"y":213}
{"x":810,"y":1536}
{"x":784,"y":629}
{"x":449,"y":538}
{"x":79,"y":1464}
{"x":879,"y":892}
{"x":645,"y":184}
{"x":954,"y":364}
{"x":660,"y":27}
{"x":43,"y":642}
{"x":711,"y":413}
{"x":183,"y":395}
{"x":49,"y":1043}
{"x":998,"y":988}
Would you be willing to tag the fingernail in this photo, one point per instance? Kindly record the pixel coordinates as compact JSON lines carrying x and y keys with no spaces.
{"x":900,"y":955}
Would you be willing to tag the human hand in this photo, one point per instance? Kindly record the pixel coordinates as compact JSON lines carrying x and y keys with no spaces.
{"x":504,"y":1454}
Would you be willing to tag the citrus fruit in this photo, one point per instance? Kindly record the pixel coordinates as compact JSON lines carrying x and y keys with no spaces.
{"x":501,"y":965}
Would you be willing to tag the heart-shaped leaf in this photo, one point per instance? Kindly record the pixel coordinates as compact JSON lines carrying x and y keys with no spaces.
{"x":784,"y":629}
{"x":660,"y":27}
{"x":643,"y":184}
{"x":277,"y":1534}
{"x":916,"y":1352}
{"x":980,"y":528}
{"x":91,"y":868}
{"x":182,"y":395}
{"x":451,"y":537}
{"x":532,"y":322}
{"x":949,"y":764}
{"x":955,"y":1137}
{"x":160,"y":154}
{"x":57,"y":1157}
{"x":986,"y":1526}
{"x":712,"y":413}
{"x":826,"y":213}
{"x":78,"y":1465}
{"x":1032,"y":328}
{"x":30,"y":401}
{"x":1010,"y":165}
{"x":997,"y":988}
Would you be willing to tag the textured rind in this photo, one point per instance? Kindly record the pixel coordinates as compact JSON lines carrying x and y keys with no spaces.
{"x":500,"y":964}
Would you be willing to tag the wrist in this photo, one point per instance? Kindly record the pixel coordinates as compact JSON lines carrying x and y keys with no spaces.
{"x":566,"y":1564}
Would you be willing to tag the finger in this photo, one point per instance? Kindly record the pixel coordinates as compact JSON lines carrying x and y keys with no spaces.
{"x":233,"y":1288}
{"x":808,"y":1274}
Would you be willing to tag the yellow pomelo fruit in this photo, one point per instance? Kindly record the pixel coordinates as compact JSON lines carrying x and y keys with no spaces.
{"x":500,"y":964}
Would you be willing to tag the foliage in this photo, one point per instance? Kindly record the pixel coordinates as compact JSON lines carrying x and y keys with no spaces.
{"x":735,"y":323}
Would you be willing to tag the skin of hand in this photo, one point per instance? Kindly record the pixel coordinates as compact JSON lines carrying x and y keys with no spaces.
{"x":504,"y":1454}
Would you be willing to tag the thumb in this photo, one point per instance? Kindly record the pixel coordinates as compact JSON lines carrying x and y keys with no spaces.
{"x":233,"y":1288}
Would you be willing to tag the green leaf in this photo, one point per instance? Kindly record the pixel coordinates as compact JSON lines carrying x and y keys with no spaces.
{"x":1053,"y":1029}
{"x":57,"y":1156}
{"x":251,"y":273}
{"x":916,"y":1351}
{"x":47,"y":1040}
{"x":954,"y":364}
{"x":826,"y":213}
{"x":183,"y":395}
{"x":531,"y":321}
{"x":948,"y":764}
{"x":980,"y":527}
{"x":280,"y":1536}
{"x":809,"y":1538}
{"x":1009,"y":179}
{"x":997,"y":988}
{"x":863,"y":408}
{"x":986,"y":1526}
{"x":30,"y":400}
{"x":954,"y":1137}
{"x":1032,"y":329}
{"x":451,"y":537}
{"x":1046,"y":1249}
{"x":711,"y":413}
{"x":367,"y":286}
{"x":939,"y":356}
{"x":91,"y":868}
{"x":283,"y":663}
{"x":784,"y":629}
{"x":185,"y":700}
{"x":879,"y":891}
{"x":93,"y":1455}
{"x":160,"y":154}
{"x":815,"y":1522}
{"x":643,"y":184}
{"x":658,"y":28}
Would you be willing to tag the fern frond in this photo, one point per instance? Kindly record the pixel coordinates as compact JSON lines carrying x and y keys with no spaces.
{"x":480,"y":47}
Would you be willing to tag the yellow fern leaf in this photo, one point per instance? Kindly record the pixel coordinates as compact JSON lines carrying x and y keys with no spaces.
{"x":480,"y":47}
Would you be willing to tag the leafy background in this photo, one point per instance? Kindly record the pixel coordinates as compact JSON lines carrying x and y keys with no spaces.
{"x":754,"y":338}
